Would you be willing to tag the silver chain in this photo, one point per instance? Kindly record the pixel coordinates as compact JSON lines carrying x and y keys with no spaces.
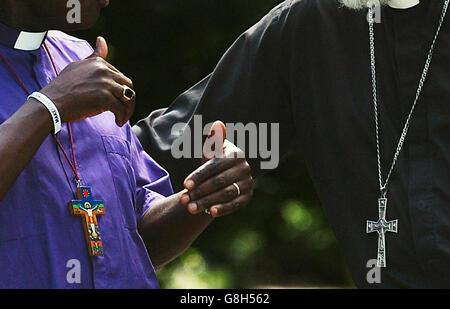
{"x":383,"y":186}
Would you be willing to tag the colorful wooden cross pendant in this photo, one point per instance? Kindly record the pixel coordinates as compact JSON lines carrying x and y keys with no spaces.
{"x":89,"y":208}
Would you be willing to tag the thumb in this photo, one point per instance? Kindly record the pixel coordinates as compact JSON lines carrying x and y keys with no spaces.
{"x":219,"y":130}
{"x":101,"y":48}
{"x":213,"y":146}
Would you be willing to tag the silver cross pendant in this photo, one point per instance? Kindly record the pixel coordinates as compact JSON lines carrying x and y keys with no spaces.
{"x":381,"y":227}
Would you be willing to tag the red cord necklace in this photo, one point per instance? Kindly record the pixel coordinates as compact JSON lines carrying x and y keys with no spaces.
{"x":85,"y":206}
{"x":73,"y":164}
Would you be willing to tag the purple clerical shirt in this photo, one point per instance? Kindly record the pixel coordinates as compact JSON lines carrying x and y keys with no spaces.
{"x":41,"y":244}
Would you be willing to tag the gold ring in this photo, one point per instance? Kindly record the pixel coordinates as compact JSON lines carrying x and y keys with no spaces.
{"x":237,"y":188}
{"x":128,"y":93}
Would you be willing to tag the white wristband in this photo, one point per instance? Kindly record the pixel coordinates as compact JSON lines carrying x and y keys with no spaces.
{"x":51,"y":108}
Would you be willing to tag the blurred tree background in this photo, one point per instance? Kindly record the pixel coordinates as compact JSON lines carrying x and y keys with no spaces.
{"x":282,"y":238}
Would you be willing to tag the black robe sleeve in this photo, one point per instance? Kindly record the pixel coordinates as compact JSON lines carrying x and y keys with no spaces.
{"x":249,"y":84}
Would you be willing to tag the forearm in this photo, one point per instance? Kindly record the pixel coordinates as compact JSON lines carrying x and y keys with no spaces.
{"x":168,"y":229}
{"x":20,"y":138}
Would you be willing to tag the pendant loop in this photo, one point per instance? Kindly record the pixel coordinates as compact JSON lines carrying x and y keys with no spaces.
{"x":383,"y":191}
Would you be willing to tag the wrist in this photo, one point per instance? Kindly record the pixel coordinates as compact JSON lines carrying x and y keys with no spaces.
{"x":58,"y":99}
{"x":51,"y":109}
{"x":39,"y":114}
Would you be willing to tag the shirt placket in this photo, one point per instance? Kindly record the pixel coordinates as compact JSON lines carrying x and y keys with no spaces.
{"x":45,"y":73}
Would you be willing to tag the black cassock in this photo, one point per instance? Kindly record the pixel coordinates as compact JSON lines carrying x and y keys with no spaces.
{"x":306,"y":66}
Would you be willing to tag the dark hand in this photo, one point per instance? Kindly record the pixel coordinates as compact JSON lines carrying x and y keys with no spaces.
{"x":90,"y":87}
{"x":211,"y":185}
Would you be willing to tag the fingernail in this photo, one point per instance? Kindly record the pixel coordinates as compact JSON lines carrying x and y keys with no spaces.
{"x":185,"y":199}
{"x":213,"y":211}
{"x":192,"y":207}
{"x":190,"y":184}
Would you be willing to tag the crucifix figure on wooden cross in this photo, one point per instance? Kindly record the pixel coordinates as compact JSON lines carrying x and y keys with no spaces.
{"x":89,"y":209}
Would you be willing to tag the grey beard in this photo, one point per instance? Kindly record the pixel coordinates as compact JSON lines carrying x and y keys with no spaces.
{"x":361,"y":4}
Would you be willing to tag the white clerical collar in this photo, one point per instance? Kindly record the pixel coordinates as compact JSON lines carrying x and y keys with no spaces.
{"x":29,"y":41}
{"x":403,"y":4}
{"x":21,"y":40}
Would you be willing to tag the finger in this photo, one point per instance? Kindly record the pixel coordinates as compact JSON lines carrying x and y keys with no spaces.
{"x":220,"y":181}
{"x":111,"y":67}
{"x":184,"y":197}
{"x":101,"y":48}
{"x":230,"y":207}
{"x":115,"y":105}
{"x":108,"y":65}
{"x":122,"y":79}
{"x":224,"y":195}
{"x":121,"y":83}
{"x":213,"y":146}
{"x":207,"y":170}
{"x":120,"y":112}
{"x":127,"y":105}
{"x":124,"y":84}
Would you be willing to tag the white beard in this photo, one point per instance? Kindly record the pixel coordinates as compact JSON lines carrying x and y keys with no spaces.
{"x":360,"y":4}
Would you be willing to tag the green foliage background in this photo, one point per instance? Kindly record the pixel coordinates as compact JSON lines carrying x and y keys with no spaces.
{"x":282,"y":238}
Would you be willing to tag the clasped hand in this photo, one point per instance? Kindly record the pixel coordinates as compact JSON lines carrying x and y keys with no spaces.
{"x":222,"y":184}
